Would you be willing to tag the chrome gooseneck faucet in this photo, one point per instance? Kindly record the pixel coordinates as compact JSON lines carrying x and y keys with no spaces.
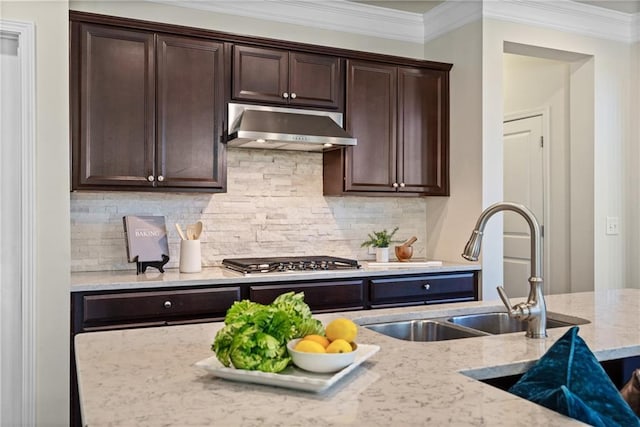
{"x":534,"y":311}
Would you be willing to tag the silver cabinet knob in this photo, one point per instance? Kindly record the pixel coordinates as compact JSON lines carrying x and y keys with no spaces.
{"x":285,"y":95}
{"x":401,"y":184}
{"x":426,"y":286}
{"x":167,"y":304}
{"x":150,"y":178}
{"x":161,"y":178}
{"x":395,"y":185}
{"x":293,"y":95}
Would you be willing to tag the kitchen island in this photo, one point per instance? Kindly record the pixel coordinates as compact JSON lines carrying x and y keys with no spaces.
{"x":147,"y":376}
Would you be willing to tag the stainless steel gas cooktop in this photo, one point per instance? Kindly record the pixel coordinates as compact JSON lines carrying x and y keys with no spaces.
{"x":289,"y":264}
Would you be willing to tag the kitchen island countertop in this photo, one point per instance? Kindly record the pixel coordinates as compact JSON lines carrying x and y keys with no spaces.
{"x":147,"y":377}
{"x":127,"y":279}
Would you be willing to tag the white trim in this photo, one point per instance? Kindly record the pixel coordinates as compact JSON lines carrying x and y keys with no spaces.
{"x":565,"y":15}
{"x":26,"y":35}
{"x":357,"y":18}
{"x":545,"y":112}
{"x":450,"y":15}
{"x":336,"y":15}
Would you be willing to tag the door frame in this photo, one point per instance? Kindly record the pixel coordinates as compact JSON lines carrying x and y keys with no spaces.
{"x":26,"y":170}
{"x":546,"y":162}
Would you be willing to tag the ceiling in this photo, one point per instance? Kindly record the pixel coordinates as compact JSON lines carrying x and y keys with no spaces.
{"x":422,"y":6}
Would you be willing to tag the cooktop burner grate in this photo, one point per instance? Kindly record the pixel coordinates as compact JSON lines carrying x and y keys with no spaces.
{"x":288,"y":264}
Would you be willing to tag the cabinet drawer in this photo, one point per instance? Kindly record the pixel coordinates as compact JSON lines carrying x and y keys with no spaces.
{"x":426,"y":289}
{"x":319,"y":296}
{"x":158,"y":306}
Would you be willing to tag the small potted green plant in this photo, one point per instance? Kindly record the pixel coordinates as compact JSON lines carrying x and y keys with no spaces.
{"x":381,"y":241}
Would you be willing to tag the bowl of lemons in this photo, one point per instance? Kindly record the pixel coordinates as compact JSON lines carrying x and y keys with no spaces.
{"x":326,"y":353}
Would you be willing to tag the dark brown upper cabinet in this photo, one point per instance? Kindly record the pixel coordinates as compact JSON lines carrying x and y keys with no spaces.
{"x":147,"y":110}
{"x":400,"y":117}
{"x":291,"y":78}
{"x":148,"y":107}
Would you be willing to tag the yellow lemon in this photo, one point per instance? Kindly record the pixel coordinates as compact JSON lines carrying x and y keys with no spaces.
{"x":341,"y":329}
{"x":308,"y":346}
{"x":339,"y":346}
{"x":323,"y":341}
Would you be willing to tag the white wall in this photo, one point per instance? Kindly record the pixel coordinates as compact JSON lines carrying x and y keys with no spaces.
{"x":535,"y":84}
{"x":611,"y":73}
{"x":52,"y":204}
{"x":450,"y":220}
{"x":632,"y":156}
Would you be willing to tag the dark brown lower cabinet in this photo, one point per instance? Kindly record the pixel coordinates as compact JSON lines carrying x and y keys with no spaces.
{"x":320,"y":296}
{"x":425,"y":289}
{"x":154,"y":308}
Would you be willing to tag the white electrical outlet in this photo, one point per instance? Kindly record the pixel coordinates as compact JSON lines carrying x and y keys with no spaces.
{"x":612,"y":225}
{"x":372,"y":250}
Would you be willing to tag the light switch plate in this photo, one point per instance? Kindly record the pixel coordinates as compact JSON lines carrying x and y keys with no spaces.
{"x":612,"y":225}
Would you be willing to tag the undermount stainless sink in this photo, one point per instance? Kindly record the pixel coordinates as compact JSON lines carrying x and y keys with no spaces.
{"x":501,"y":323}
{"x":464,"y":326}
{"x":422,"y":330}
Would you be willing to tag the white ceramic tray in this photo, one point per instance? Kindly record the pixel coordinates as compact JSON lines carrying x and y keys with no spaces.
{"x":292,"y":377}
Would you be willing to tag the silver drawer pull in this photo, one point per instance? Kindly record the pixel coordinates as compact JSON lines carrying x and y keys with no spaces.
{"x":426,"y":286}
{"x":167,"y":304}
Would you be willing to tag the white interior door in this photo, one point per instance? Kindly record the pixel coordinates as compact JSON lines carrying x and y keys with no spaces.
{"x":524,"y":184}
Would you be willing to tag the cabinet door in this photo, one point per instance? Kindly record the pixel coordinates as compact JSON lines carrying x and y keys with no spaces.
{"x":423,"y":131}
{"x":114,"y":99}
{"x":190,"y":103}
{"x":427,"y":289}
{"x":371,"y":118}
{"x":259,"y":74}
{"x":147,"y":308}
{"x":315,"y":80}
{"x":320,"y":296}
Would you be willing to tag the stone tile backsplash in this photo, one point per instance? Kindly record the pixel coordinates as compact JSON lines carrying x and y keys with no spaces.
{"x":273,"y":206}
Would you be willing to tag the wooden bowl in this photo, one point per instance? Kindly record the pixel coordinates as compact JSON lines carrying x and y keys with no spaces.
{"x":404,"y":253}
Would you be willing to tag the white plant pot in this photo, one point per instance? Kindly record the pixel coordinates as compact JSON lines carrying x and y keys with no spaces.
{"x":382,"y":254}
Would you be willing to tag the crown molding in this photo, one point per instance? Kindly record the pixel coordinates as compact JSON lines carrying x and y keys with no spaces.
{"x":450,"y":15}
{"x":357,"y":18}
{"x":335,"y":15}
{"x":564,"y":15}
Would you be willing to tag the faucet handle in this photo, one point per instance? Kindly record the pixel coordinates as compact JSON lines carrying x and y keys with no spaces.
{"x":504,"y":298}
{"x":519,"y":311}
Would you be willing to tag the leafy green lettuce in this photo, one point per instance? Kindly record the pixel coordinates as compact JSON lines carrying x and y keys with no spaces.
{"x":255,"y":335}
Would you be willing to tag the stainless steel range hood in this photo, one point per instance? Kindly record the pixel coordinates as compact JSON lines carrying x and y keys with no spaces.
{"x":253,"y":126}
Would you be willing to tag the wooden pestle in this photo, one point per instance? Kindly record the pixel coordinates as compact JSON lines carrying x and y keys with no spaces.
{"x":410,"y":241}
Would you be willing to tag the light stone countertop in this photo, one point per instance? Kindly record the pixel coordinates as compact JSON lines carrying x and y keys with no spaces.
{"x":147,"y":377}
{"x":122,"y":280}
